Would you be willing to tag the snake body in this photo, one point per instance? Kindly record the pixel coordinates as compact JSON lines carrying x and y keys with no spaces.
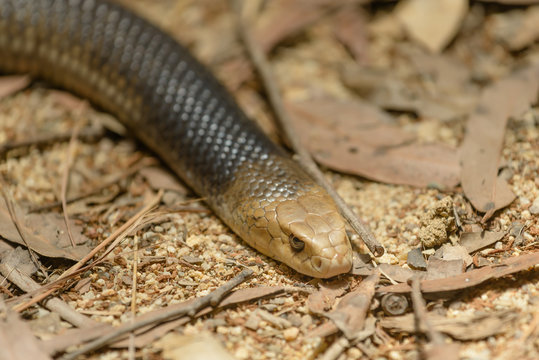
{"x":170,"y":101}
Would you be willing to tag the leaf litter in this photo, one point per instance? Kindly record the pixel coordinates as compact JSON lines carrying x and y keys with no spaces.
{"x":439,"y":28}
{"x":45,"y":234}
{"x":399,"y":97}
{"x":362,"y":140}
{"x":482,"y":145}
{"x":12,"y":84}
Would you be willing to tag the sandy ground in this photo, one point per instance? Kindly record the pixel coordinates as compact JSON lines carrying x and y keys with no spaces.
{"x":190,"y":252}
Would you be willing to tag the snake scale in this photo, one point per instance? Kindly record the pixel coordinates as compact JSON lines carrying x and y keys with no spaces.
{"x":175,"y":106}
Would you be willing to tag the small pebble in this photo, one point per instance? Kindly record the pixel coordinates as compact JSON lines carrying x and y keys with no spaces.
{"x":516,"y":228}
{"x":270,"y":307}
{"x":534,"y":209}
{"x":252,"y":322}
{"x":295,"y":319}
{"x":306,"y":320}
{"x":192,"y":259}
{"x":291,"y":333}
{"x":354,"y":353}
{"x":278,"y":301}
{"x":241,"y":354}
{"x":149,"y":235}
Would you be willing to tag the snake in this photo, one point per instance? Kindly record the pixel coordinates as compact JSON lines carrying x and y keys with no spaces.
{"x":174,"y":105}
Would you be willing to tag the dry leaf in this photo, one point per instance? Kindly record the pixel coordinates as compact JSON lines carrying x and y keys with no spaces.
{"x":284,"y":18}
{"x":11,"y":84}
{"x":45,"y":234}
{"x":482,"y":145}
{"x":454,"y":252}
{"x":470,"y":278}
{"x":350,"y":29}
{"x":416,"y":260}
{"x":67,"y":100}
{"x":439,"y":88}
{"x":464,"y":327}
{"x":395,"y":272}
{"x":432,"y":23}
{"x":234,"y":72}
{"x":161,"y":179}
{"x":322,"y":300}
{"x":361,"y":264}
{"x":439,"y":268}
{"x":351,"y":311}
{"x":516,"y":29}
{"x":16,"y":339}
{"x":474,"y":241}
{"x":358,"y":138}
{"x":446,"y":72}
{"x":46,"y":325}
{"x":18,"y":258}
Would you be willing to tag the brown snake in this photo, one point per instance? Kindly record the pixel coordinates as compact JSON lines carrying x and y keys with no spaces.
{"x":175,"y":106}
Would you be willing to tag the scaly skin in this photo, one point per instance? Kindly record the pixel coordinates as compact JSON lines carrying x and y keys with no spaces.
{"x":176,"y":107}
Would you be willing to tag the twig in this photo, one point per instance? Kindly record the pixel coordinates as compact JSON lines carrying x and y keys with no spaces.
{"x":421,"y":314}
{"x":131,"y":349}
{"x":211,"y":299}
{"x":87,"y":134}
{"x":25,"y":283}
{"x":115,"y":236}
{"x":263,"y":68}
{"x":65,"y":177}
{"x":336,"y":349}
{"x":436,"y":349}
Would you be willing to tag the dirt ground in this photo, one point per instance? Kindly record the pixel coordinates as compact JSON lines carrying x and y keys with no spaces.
{"x":343,"y":60}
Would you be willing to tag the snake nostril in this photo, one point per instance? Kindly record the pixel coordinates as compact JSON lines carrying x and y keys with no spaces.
{"x":317,"y":263}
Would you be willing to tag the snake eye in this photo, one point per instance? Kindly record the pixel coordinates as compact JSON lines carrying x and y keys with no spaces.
{"x":295,"y":243}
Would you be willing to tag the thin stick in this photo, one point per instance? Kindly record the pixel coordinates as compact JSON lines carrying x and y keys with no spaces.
{"x":436,"y":349}
{"x":65,"y":177}
{"x":421,"y":314}
{"x":263,"y":68}
{"x":131,"y":348}
{"x":336,"y":349}
{"x":211,"y":299}
{"x":25,"y":283}
{"x":43,"y":140}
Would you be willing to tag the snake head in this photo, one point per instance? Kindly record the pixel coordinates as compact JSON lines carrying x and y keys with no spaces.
{"x":315,"y":243}
{"x":306,"y":233}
